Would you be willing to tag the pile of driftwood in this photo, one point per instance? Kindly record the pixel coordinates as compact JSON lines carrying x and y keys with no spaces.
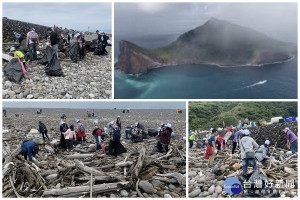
{"x":281,"y":166}
{"x":85,"y":173}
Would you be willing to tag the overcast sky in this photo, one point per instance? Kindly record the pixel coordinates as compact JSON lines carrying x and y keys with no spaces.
{"x":76,"y":16}
{"x":95,"y":105}
{"x":278,"y":20}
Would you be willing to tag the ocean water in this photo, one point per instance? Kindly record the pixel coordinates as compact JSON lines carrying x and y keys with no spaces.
{"x":273,"y":81}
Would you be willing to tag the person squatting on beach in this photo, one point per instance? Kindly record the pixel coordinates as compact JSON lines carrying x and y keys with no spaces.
{"x":30,"y":149}
{"x":262,"y":154}
{"x":165,"y":138}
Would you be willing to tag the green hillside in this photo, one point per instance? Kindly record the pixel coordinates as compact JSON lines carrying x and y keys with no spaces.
{"x":205,"y":115}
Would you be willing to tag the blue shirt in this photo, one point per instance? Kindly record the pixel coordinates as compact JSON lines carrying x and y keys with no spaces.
{"x":17,"y":35}
{"x":28,"y":147}
{"x":211,"y":139}
{"x":236,"y":135}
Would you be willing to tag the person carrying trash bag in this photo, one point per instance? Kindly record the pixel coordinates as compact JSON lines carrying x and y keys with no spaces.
{"x":54,"y":40}
{"x":247,"y":144}
{"x":115,"y":147}
{"x":30,"y":149}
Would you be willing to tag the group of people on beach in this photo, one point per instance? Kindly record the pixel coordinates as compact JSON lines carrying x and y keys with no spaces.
{"x":56,"y":38}
{"x":69,"y":138}
{"x":250,"y":151}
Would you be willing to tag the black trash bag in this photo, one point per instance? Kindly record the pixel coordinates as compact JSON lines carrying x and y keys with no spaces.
{"x":22,"y":46}
{"x":136,"y":138}
{"x":73,"y":52}
{"x":152,"y":132}
{"x":13,"y":70}
{"x":53,"y":67}
{"x":98,"y":50}
{"x":253,"y":191}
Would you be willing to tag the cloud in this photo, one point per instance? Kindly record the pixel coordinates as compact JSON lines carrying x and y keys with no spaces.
{"x":78,"y":16}
{"x":278,"y":20}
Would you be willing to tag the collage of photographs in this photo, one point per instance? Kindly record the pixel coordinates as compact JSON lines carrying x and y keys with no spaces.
{"x":110,"y":99}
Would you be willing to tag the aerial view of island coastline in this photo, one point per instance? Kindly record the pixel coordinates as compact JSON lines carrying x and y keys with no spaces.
{"x":205,"y":50}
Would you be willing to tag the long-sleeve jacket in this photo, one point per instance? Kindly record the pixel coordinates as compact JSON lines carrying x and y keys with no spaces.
{"x":246,"y":145}
{"x":28,"y":147}
{"x":70,"y":134}
{"x":165,"y":137}
{"x":42,"y":128}
{"x":261,"y":153}
{"x":192,"y":137}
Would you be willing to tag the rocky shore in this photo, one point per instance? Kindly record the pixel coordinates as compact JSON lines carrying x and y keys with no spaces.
{"x":209,"y":182}
{"x":161,"y":175}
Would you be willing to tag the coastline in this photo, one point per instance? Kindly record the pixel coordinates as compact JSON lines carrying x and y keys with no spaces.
{"x":215,"y":64}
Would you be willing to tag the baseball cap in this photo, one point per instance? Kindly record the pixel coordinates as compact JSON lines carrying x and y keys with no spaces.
{"x":267,"y":142}
{"x":246,"y":132}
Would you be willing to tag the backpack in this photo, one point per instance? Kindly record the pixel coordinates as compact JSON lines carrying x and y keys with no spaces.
{"x":33,"y":36}
{"x":117,"y":135}
{"x":95,"y":130}
{"x":81,"y":127}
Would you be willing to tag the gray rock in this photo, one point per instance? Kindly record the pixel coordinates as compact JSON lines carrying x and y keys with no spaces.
{"x":18,"y":91}
{"x":195,"y":193}
{"x":218,"y":189}
{"x":214,"y":195}
{"x":205,"y":194}
{"x":202,"y":179}
{"x":167,"y":196}
{"x":30,"y":96}
{"x":211,"y":189}
{"x":11,"y":93}
{"x":26,"y":92}
{"x":8,"y":84}
{"x":107,"y":92}
{"x":172,"y":187}
{"x":124,"y":193}
{"x":20,"y":96}
{"x":146,"y":186}
{"x":192,"y":174}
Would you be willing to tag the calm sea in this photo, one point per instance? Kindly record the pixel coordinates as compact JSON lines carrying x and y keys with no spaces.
{"x":274,"y":81}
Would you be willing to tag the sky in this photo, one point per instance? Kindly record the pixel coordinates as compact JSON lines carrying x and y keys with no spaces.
{"x":78,"y":16}
{"x":277,"y":20}
{"x":95,"y":105}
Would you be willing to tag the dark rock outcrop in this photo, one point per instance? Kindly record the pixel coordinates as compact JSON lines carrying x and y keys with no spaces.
{"x":9,"y":26}
{"x":216,"y":42}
